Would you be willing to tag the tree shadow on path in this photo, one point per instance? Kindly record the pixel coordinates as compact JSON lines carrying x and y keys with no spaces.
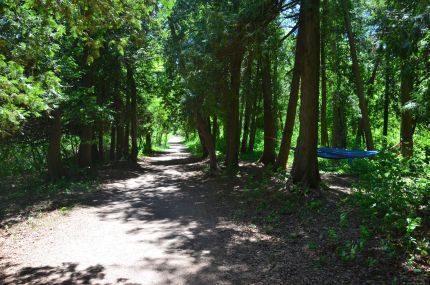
{"x":190,"y":220}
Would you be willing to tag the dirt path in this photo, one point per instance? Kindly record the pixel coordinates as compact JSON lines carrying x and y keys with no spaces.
{"x":150,"y":229}
{"x":166,"y":223}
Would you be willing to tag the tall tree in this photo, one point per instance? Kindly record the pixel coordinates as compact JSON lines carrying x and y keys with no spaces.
{"x":287,"y":133}
{"x":324,"y":23}
{"x":269,"y":118}
{"x":86,"y":123}
{"x":358,"y":78}
{"x":55,"y":167}
{"x":133,"y":112}
{"x":232,"y":108}
{"x":406,"y":129}
{"x":248,"y":94}
{"x":386,"y":98}
{"x":305,"y":167}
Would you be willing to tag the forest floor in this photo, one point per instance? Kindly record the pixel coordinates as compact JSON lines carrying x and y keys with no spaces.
{"x":168,"y":222}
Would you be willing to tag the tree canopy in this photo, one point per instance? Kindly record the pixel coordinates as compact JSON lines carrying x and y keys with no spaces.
{"x":84,"y":83}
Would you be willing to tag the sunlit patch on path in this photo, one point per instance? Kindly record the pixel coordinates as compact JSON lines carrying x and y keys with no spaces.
{"x":135,"y":234}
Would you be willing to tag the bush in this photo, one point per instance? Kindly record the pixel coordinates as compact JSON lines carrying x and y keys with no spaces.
{"x":393,"y":195}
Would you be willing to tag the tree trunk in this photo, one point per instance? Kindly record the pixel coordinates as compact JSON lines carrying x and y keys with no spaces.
{"x":86,"y":131}
{"x":372,"y":78}
{"x":215,"y":130}
{"x":232,"y":122}
{"x":119,"y":140}
{"x":148,"y":142}
{"x":133,"y":113}
{"x":248,"y":102}
{"x":276,"y":92}
{"x":254,"y":117}
{"x":100,"y":137}
{"x":94,"y":149}
{"x":254,"y":110}
{"x":119,"y":115}
{"x":406,"y":128}
{"x":126,"y":147}
{"x":324,"y":131}
{"x":203,"y":129}
{"x":119,"y":124}
{"x":205,"y":152}
{"x":269,"y":154}
{"x":84,"y":154}
{"x":305,"y":167}
{"x":358,"y":78}
{"x":112,"y":142}
{"x":287,"y":133}
{"x":386,"y":100}
{"x":361,"y":123}
{"x":339,"y":133}
{"x":99,"y":124}
{"x":55,"y":168}
{"x":359,"y":133}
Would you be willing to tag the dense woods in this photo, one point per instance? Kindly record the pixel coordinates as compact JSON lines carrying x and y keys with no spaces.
{"x":84,"y":84}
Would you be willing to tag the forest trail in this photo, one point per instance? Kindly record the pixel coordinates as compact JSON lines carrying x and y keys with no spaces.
{"x":166,"y":223}
{"x":148,"y":229}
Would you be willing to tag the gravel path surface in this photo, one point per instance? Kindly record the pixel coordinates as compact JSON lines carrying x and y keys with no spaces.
{"x":166,"y":223}
{"x":136,"y":233}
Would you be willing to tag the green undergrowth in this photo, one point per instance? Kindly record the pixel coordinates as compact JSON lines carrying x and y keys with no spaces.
{"x":263,"y":194}
{"x":393,"y":196}
{"x":28,"y":194}
{"x":194,"y":146}
{"x":390,"y":199}
{"x":161,"y":147}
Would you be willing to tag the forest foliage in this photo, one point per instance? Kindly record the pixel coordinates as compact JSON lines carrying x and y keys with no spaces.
{"x":84,"y":83}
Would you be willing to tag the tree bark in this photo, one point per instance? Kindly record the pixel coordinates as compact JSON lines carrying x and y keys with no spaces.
{"x":127,"y":110}
{"x":360,"y":132}
{"x":100,"y":138}
{"x":119,"y":140}
{"x":112,"y":142}
{"x":99,"y":124}
{"x":254,"y":117}
{"x":203,"y":128}
{"x":133,"y":113}
{"x":232,"y":122}
{"x":85,"y":147}
{"x":269,"y":154}
{"x":248,"y":102}
{"x":119,"y":124}
{"x":361,"y":123}
{"x":386,"y":100}
{"x":287,"y":133}
{"x":358,"y":78}
{"x":205,"y":152}
{"x":372,"y":78}
{"x":148,"y":142}
{"x":305,"y":167}
{"x":254,"y":110}
{"x":324,"y":131}
{"x":339,"y":133}
{"x":406,"y":128}
{"x":86,"y":131}
{"x":55,"y":168}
